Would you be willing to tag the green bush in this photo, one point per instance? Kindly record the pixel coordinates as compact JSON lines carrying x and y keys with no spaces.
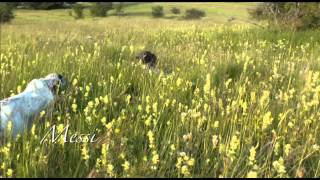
{"x":78,"y":11}
{"x":6,"y":14}
{"x":175,"y":10}
{"x":100,"y":9}
{"x":294,"y":15}
{"x":119,"y":8}
{"x":42,"y":5}
{"x":12,"y":4}
{"x":157,"y":11}
{"x":259,"y":12}
{"x":194,"y":14}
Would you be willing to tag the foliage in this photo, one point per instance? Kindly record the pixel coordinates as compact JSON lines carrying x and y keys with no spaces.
{"x":78,"y":10}
{"x":175,"y":10}
{"x":224,"y":101}
{"x":42,"y":5}
{"x":194,"y":13}
{"x":6,"y":12}
{"x":100,"y":9}
{"x":119,"y":8}
{"x":157,"y":11}
{"x":294,"y":15}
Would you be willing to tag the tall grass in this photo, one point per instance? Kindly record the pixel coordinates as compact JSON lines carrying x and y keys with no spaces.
{"x":238,"y":102}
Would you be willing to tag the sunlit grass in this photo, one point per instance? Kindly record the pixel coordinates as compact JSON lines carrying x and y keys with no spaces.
{"x":239,"y":101}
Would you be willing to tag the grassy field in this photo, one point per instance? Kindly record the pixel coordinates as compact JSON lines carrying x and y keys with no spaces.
{"x":239,"y":101}
{"x":217,"y":13}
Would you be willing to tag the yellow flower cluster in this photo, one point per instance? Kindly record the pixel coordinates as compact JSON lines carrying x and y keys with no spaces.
{"x":184,"y":163}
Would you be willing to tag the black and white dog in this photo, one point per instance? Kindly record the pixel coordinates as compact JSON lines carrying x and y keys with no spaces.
{"x":147,"y":58}
{"x":21,"y":109}
{"x":151,"y":60}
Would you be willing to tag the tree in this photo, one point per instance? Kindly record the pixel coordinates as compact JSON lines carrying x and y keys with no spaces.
{"x":157,"y":11}
{"x":78,"y":10}
{"x":42,"y":5}
{"x":294,"y":15}
{"x":175,"y":10}
{"x":194,"y":14}
{"x":119,"y":8}
{"x":6,"y":14}
{"x":100,"y":9}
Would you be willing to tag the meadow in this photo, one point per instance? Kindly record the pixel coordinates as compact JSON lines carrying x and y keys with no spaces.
{"x":229,"y":100}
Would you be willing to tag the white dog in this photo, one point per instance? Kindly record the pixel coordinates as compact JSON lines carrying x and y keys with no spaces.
{"x":21,"y":109}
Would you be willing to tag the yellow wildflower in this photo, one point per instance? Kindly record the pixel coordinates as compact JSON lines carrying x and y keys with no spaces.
{"x":252,"y":174}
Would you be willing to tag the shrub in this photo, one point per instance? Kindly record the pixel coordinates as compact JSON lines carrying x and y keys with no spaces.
{"x":42,"y":5}
{"x":157,"y":11}
{"x":50,"y":5}
{"x":12,"y":4}
{"x":100,"y":9}
{"x":258,"y":13}
{"x":194,"y":14}
{"x":6,"y":14}
{"x":78,"y":11}
{"x":175,"y":10}
{"x":294,"y":15}
{"x":119,"y":8}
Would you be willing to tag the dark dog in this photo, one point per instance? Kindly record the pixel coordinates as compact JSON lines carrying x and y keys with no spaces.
{"x":147,"y":58}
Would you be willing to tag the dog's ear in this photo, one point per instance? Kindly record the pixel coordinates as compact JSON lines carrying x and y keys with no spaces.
{"x":56,"y":85}
{"x":60,"y":76}
{"x":63,"y":81}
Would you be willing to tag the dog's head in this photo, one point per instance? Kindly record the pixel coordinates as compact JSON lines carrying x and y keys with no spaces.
{"x":58,"y":82}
